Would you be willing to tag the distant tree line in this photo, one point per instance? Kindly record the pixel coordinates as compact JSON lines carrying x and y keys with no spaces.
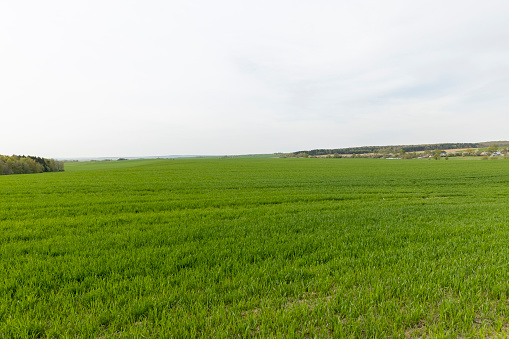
{"x":20,"y":164}
{"x":379,"y":150}
{"x":488,"y":149}
{"x":388,"y":149}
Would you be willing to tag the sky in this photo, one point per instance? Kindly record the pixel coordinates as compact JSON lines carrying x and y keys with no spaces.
{"x":146,"y":78}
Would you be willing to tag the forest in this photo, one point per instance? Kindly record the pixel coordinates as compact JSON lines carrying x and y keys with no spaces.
{"x":20,"y":164}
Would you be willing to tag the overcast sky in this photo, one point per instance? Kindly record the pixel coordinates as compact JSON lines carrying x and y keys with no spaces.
{"x":135,"y":78}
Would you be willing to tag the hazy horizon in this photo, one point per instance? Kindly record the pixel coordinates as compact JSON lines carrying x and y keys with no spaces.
{"x":249,"y":154}
{"x":130,"y":78}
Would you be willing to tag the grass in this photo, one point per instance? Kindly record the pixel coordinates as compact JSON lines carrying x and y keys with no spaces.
{"x":256,"y":247}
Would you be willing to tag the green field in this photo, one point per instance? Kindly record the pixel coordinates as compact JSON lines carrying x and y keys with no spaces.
{"x":364,"y":248}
